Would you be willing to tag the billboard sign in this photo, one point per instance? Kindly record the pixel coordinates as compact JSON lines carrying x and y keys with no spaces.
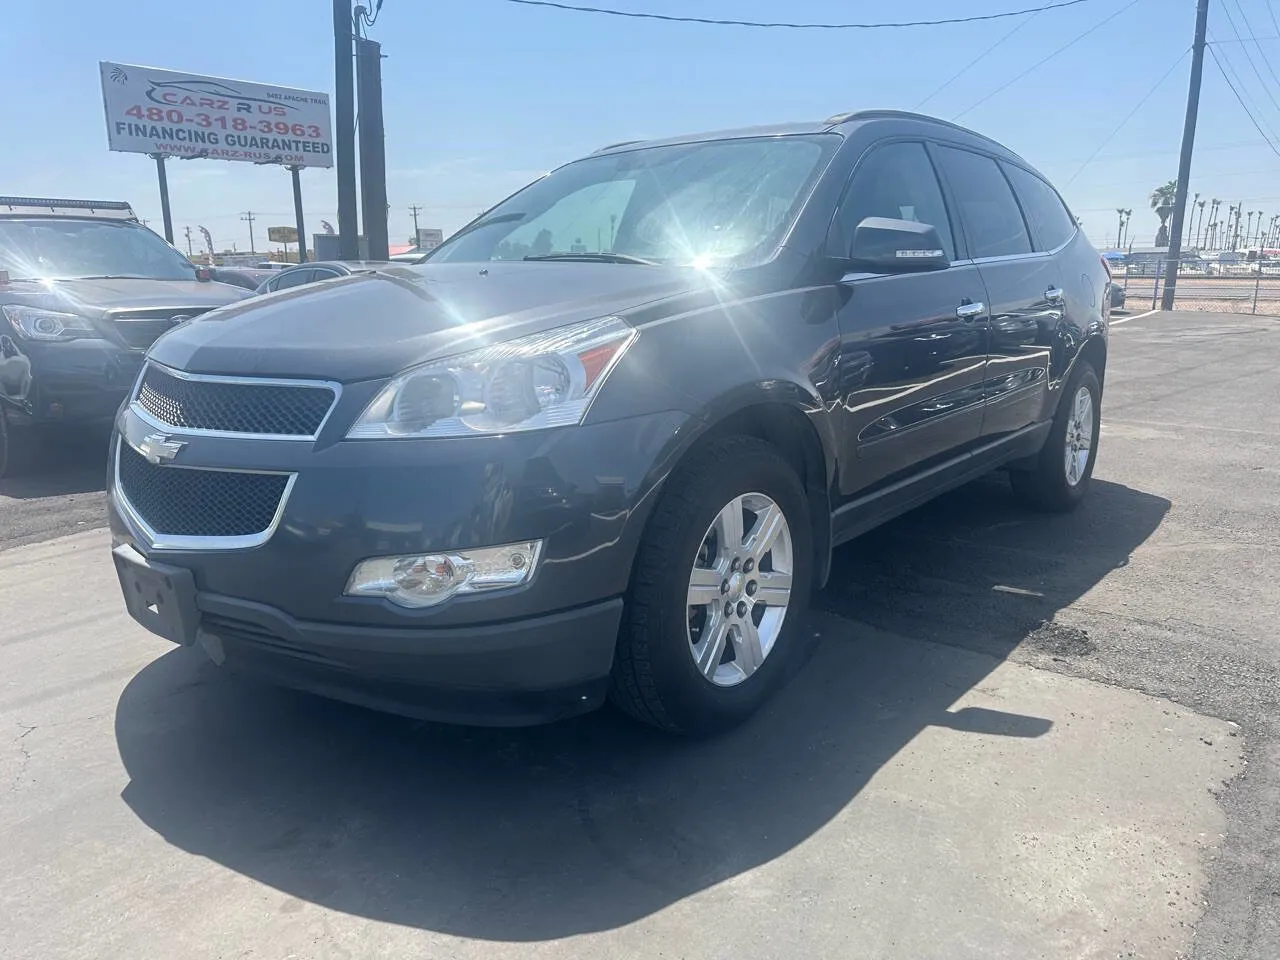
{"x":282,"y":234}
{"x":429,"y":238}
{"x":184,"y":115}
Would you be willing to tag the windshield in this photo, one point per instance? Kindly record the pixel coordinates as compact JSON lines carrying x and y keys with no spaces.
{"x":692,"y":203}
{"x":45,"y":248}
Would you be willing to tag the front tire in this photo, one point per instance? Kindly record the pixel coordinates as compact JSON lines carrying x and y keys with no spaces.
{"x":714,"y":621}
{"x":1061,"y":473}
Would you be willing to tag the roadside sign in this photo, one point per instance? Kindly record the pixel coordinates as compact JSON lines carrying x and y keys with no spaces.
{"x":185,"y":115}
{"x":282,"y":234}
{"x":429,"y":238}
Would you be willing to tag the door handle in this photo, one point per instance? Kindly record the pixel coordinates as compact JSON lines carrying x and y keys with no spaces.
{"x":1054,"y":294}
{"x":967,"y":311}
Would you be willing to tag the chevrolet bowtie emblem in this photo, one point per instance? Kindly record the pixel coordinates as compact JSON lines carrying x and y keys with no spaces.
{"x":158,"y":448}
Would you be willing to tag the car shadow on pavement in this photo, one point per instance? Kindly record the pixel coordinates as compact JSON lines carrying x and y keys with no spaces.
{"x":523,"y":835}
{"x":63,"y":464}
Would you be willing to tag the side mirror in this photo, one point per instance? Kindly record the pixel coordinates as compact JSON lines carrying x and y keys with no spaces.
{"x":204,"y":274}
{"x":882,"y":245}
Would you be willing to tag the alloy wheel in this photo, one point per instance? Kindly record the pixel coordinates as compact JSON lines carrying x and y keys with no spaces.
{"x":739,"y":589}
{"x":1079,"y":438}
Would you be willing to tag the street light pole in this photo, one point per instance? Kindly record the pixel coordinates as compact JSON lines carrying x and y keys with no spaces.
{"x":1184,"y":161}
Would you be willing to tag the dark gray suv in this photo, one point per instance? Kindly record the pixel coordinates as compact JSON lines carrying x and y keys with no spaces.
{"x":602,"y":443}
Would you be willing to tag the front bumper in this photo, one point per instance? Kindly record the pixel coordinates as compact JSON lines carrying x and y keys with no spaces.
{"x":533,"y":653}
{"x":502,"y":674}
{"x":76,"y":382}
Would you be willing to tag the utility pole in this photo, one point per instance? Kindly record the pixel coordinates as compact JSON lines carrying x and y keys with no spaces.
{"x":248,"y":217}
{"x":414,"y":208}
{"x":1184,"y":162}
{"x":373,"y":160}
{"x":190,"y":252}
{"x":344,"y":110}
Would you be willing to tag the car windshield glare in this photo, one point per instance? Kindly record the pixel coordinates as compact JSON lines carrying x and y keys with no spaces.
{"x":713,"y":202}
{"x":69,"y":249}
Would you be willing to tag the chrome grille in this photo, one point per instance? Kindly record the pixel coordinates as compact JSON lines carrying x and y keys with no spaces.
{"x":182,"y":502}
{"x":141,"y":328}
{"x":265,"y":408}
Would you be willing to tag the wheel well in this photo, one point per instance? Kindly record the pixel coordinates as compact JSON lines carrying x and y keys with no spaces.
{"x":1095,"y":351}
{"x":791,"y":432}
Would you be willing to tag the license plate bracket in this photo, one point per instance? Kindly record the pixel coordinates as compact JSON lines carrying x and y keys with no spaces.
{"x":160,"y":597}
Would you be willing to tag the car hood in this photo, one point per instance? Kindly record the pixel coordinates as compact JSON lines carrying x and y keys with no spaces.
{"x":373,"y":325}
{"x":97,"y":298}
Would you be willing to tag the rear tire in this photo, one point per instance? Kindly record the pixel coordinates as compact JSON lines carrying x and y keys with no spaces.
{"x":714,"y":627}
{"x":1061,"y":472}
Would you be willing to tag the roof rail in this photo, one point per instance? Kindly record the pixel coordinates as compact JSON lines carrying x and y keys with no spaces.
{"x":840,"y":118}
{"x":45,"y":206}
{"x":891,"y":114}
{"x":620,"y":143}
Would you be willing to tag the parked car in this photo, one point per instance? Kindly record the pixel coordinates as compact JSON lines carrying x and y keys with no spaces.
{"x":525,"y":476}
{"x":84,"y":290}
{"x":248,"y":277}
{"x":1117,"y":296}
{"x":304,"y":273}
{"x":416,"y":255}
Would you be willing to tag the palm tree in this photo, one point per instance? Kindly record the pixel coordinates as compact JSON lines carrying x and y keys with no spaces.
{"x":1199,"y":231}
{"x":1120,"y":228}
{"x":1162,"y":198}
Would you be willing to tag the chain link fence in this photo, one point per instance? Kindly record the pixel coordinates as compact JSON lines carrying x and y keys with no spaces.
{"x":1224,"y":288}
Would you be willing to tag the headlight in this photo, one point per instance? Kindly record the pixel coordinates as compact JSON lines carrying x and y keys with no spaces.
{"x":428,"y":579}
{"x":31,"y":323}
{"x":545,"y":380}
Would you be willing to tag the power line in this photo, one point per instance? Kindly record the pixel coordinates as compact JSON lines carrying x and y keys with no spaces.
{"x":1247,"y":55}
{"x":1129,"y":116}
{"x":671,"y":18}
{"x":972,"y":63}
{"x":1274,"y":22}
{"x":1040,"y":63}
{"x":1253,"y":36}
{"x":1233,"y":77}
{"x":1240,"y":100}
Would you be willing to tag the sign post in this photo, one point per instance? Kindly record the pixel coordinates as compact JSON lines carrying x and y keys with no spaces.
{"x":294,"y":170}
{"x":163,"y":177}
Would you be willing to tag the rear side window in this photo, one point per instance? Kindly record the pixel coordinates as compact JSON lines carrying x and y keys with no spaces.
{"x":294,"y":278}
{"x":895,"y":181}
{"x":1050,"y":221}
{"x":992,"y":221}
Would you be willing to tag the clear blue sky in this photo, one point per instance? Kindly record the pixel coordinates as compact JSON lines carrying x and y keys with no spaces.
{"x":483,"y":95}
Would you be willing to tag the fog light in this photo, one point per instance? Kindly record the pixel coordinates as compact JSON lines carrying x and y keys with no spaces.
{"x":423,"y":580}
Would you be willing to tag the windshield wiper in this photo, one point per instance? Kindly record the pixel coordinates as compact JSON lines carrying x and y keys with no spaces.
{"x":595,"y":258}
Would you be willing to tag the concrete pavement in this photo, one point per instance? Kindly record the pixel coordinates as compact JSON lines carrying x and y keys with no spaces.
{"x":903,"y":799}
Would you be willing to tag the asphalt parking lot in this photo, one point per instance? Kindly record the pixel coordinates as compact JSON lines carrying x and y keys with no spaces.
{"x":1022,"y":736}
